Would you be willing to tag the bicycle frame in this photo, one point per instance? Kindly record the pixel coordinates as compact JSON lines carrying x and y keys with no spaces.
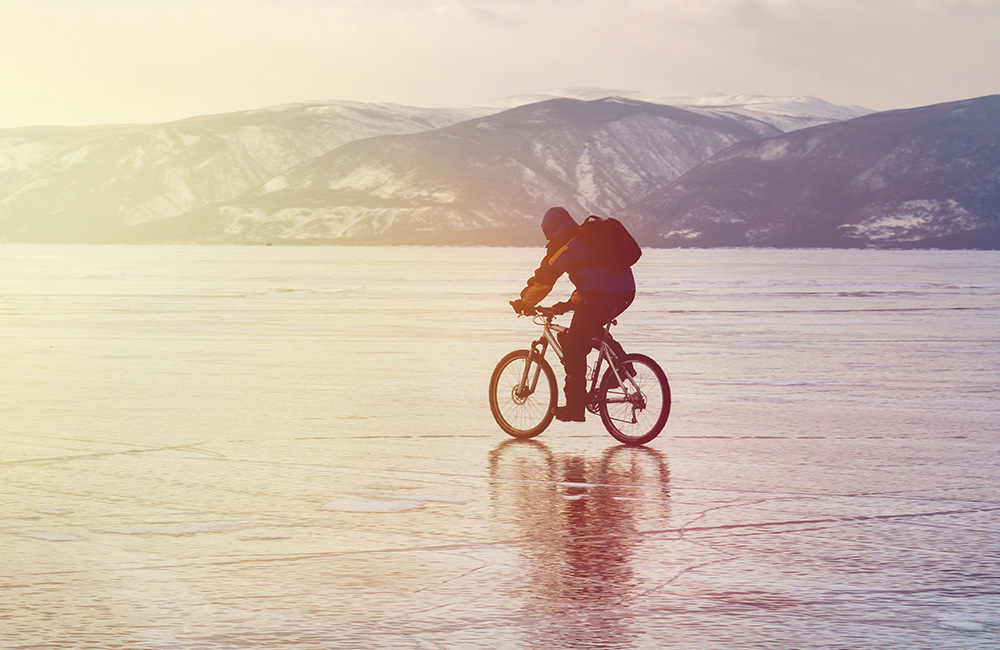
{"x":549,"y":338}
{"x":631,"y":396}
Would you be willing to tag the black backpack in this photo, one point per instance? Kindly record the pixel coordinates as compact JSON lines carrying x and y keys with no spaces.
{"x":609,"y":241}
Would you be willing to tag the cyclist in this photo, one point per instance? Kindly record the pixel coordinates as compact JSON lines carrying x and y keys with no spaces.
{"x":600,"y":295}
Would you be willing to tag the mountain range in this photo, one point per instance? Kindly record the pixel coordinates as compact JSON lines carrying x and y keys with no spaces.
{"x":703,"y":171}
{"x":95,"y":184}
{"x":484,"y":180}
{"x":915,"y":178}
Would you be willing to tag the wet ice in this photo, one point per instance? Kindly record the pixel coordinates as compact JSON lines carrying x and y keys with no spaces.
{"x":291,"y":448}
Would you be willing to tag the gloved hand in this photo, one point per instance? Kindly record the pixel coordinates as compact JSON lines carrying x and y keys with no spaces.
{"x":560,"y":308}
{"x":521,"y":308}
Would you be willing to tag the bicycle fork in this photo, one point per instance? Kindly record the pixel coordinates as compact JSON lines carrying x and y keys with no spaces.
{"x":529,"y":376}
{"x":538,"y":348}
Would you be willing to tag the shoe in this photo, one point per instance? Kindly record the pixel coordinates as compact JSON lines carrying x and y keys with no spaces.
{"x":570,"y":413}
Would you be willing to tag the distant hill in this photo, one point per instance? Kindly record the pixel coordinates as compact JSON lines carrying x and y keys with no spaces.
{"x":923,"y":177}
{"x":372,"y":173}
{"x":95,"y":184}
{"x":484,"y":180}
{"x":785,"y":113}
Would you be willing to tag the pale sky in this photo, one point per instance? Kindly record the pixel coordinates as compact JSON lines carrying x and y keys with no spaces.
{"x":116,"y":61}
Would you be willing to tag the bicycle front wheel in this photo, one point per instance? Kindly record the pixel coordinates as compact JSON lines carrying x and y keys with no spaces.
{"x":635,"y":410}
{"x":523,"y":409}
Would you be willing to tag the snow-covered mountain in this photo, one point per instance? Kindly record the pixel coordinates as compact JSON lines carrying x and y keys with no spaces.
{"x":786,"y":113}
{"x":93,"y":184}
{"x":486,"y":179}
{"x":920,"y":177}
{"x":340,"y":170}
{"x":285,"y":136}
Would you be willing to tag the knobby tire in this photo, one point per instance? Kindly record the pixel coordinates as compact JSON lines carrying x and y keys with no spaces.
{"x":527,"y":416}
{"x":650,"y":408}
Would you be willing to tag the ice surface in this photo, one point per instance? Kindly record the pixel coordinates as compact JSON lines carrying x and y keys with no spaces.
{"x":189,"y":528}
{"x":291,"y":448}
{"x":52,"y":536}
{"x":371,"y":505}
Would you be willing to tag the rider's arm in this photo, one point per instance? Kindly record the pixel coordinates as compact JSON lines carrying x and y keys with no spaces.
{"x":561,"y":308}
{"x":540,"y":284}
{"x":552,"y":267}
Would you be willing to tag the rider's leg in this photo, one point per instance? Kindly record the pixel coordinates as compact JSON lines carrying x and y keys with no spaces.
{"x":589,"y":319}
{"x":576,"y":345}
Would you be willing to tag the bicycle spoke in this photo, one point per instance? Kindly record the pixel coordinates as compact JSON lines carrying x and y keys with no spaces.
{"x":635,"y":408}
{"x":522,"y":415}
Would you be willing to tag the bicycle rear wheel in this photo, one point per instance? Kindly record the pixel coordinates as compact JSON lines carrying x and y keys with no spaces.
{"x":523,"y":412}
{"x":635,"y":410}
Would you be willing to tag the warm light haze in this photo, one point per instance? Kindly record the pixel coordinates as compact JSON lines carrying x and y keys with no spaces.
{"x":110,"y":61}
{"x":273,"y":376}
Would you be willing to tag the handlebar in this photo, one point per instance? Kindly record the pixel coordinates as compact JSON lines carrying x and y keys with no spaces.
{"x":544,"y":315}
{"x":548,"y":313}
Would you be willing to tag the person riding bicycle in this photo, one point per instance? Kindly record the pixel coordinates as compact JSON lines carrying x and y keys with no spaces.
{"x":600,"y":295}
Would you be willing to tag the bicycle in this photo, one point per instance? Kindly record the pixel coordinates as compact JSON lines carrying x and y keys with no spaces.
{"x":632,"y":397}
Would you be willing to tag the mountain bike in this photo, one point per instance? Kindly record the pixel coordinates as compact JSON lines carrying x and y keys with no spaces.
{"x":632,"y":396}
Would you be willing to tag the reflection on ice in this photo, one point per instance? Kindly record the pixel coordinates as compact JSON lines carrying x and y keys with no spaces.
{"x":290,"y":449}
{"x":579,"y":518}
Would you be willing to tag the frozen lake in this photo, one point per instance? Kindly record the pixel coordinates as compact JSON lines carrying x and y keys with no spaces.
{"x":291,"y":448}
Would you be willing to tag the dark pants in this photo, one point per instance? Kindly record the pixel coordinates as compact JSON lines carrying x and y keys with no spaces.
{"x":589,"y":319}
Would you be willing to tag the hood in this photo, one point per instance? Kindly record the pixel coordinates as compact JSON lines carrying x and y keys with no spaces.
{"x":555,"y":222}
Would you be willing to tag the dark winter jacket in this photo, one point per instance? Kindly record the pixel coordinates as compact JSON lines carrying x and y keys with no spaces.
{"x":567,"y":253}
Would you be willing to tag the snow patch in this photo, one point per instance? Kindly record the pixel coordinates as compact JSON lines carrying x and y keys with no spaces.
{"x":772,"y":149}
{"x":682,"y":234}
{"x":375,"y":180}
{"x":585,"y":172}
{"x":36,"y":184}
{"x":79,"y":155}
{"x":383,"y":183}
{"x":275,"y":184}
{"x":913,"y":221}
{"x":871,"y":180}
{"x":22,"y":154}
